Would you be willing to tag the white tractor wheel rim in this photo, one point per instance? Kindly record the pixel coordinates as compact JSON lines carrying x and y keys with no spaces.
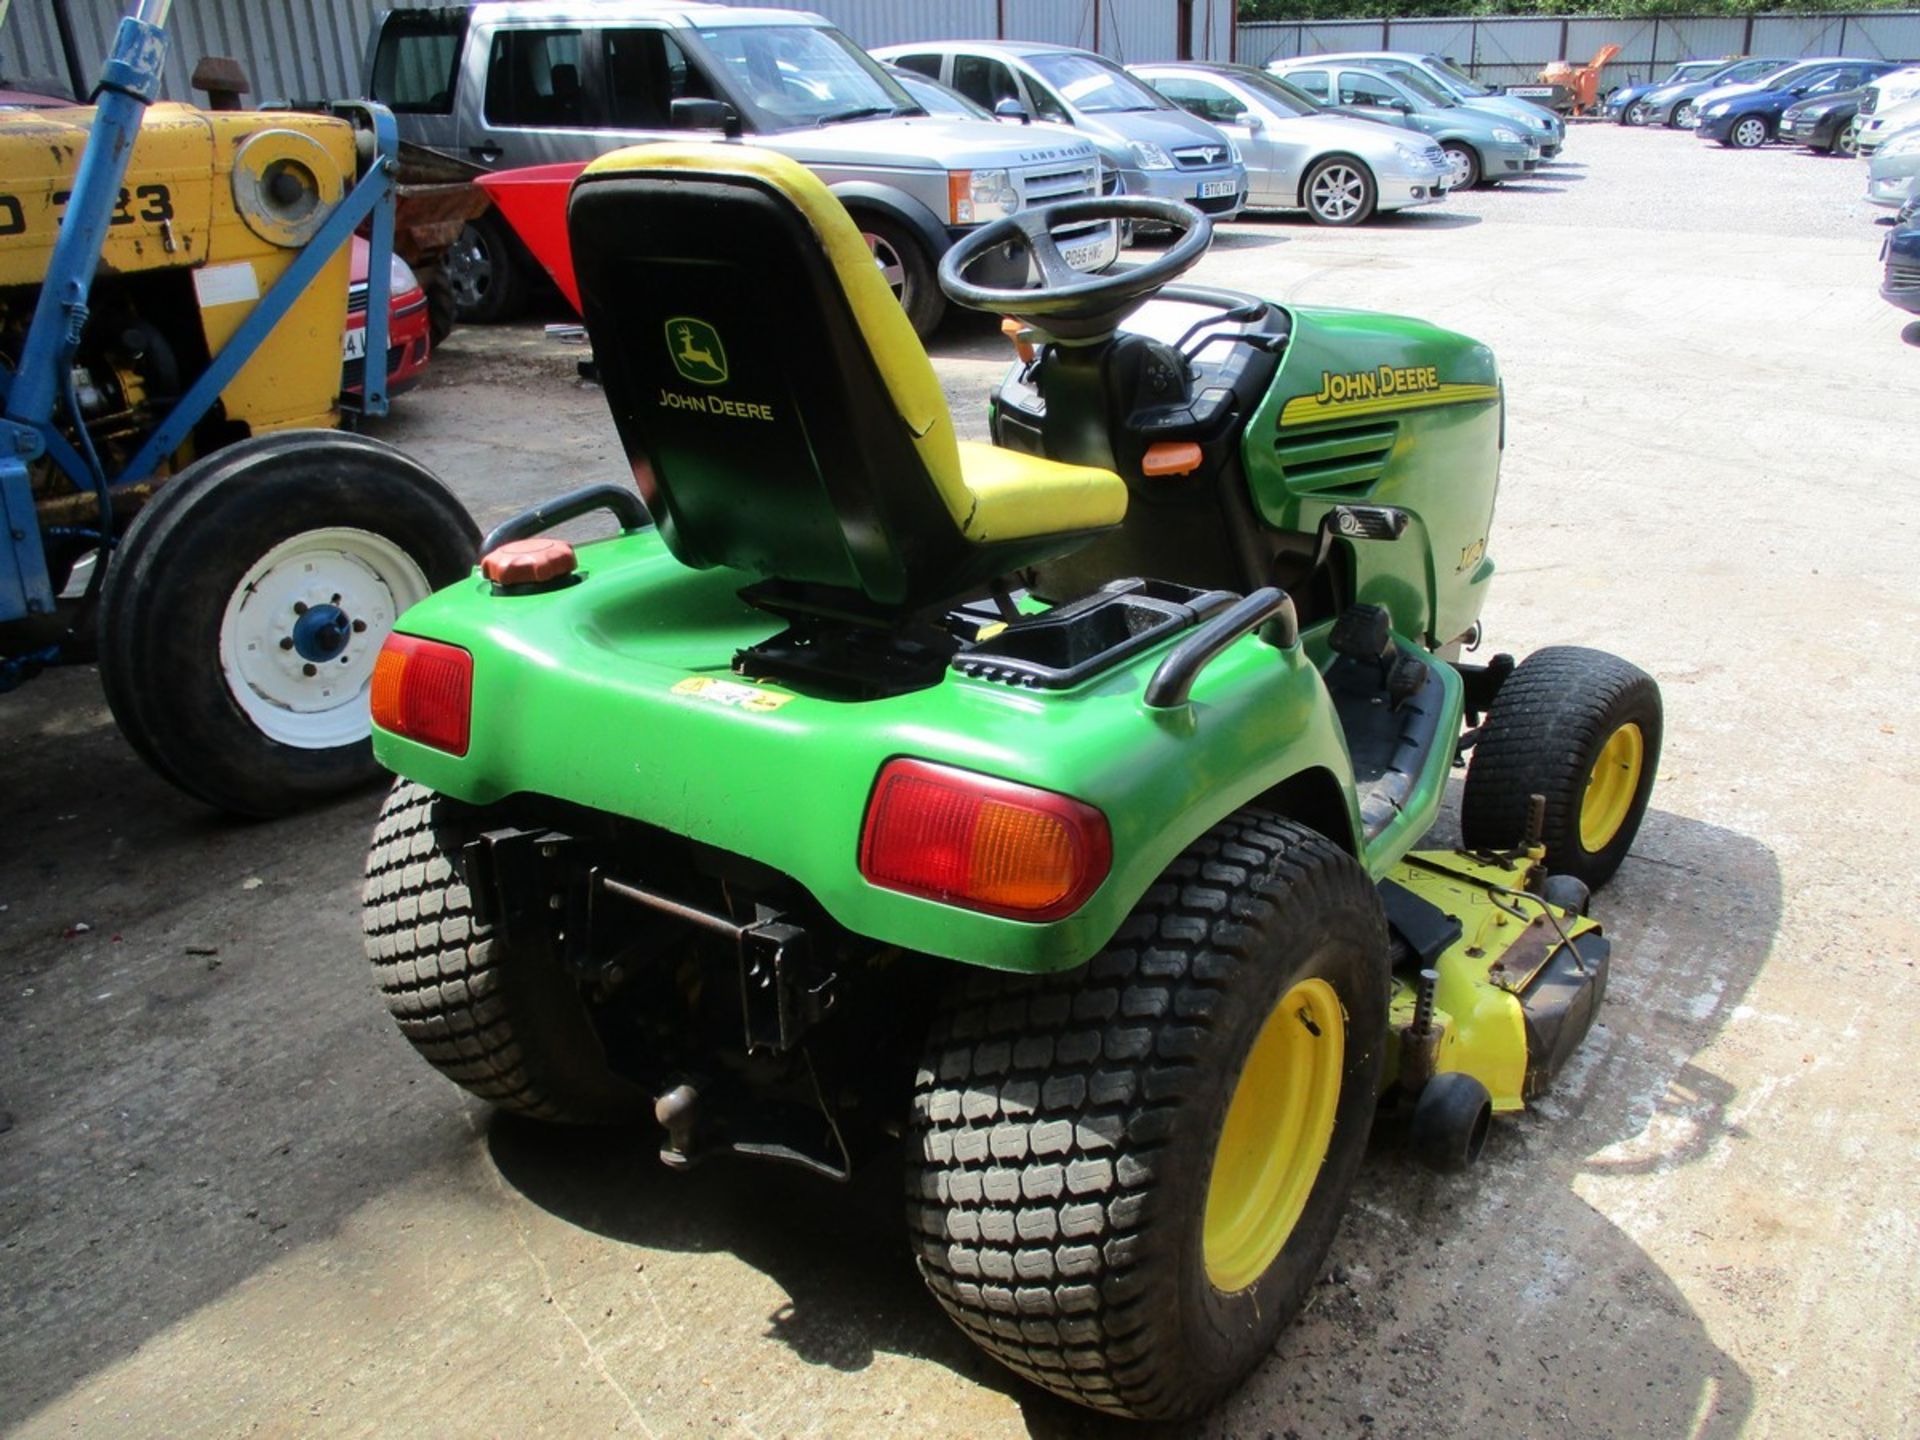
{"x":302,"y":630}
{"x":1338,"y":192}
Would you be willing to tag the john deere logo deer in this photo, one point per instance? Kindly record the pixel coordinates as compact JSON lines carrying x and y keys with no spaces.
{"x":696,"y":349}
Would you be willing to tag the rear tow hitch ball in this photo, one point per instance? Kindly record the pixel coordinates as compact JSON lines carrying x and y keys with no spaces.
{"x":1450,"y":1121}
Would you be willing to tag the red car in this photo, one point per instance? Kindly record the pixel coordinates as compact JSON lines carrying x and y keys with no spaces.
{"x":408,"y":344}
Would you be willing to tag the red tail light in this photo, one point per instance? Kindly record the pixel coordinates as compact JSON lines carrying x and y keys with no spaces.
{"x":982,"y":843}
{"x":423,"y":690}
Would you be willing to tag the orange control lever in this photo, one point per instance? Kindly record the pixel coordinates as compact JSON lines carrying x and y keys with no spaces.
{"x":1170,"y":457}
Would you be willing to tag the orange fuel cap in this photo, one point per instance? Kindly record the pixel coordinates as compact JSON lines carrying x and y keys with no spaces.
{"x":529,"y":562}
{"x":1171,"y":457}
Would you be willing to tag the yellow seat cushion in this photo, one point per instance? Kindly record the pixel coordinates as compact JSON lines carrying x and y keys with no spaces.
{"x":1016,"y":496}
{"x":991,"y":494}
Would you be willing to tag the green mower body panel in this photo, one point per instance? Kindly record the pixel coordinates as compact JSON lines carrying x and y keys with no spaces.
{"x":616,"y":694}
{"x":1387,"y":410}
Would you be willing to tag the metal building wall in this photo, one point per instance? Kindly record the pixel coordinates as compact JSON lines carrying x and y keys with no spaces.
{"x":290,"y":48}
{"x":314,"y":48}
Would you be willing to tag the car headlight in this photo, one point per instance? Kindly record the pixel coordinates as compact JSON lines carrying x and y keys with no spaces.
{"x":1907,"y":142}
{"x":1150,"y":156}
{"x":1506,"y":137}
{"x":1719,"y":107}
{"x":400,"y":277}
{"x":1408,"y":155}
{"x":977,"y":196}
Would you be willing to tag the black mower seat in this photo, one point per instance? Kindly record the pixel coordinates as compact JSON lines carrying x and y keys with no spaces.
{"x":779,"y":413}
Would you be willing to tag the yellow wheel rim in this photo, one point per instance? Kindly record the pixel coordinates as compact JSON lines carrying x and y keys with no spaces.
{"x":1611,"y":787}
{"x":1279,"y":1125}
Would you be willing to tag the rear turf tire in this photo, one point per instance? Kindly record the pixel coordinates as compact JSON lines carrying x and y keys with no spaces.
{"x":510,"y":1029}
{"x":1065,"y":1128}
{"x":1564,"y":726}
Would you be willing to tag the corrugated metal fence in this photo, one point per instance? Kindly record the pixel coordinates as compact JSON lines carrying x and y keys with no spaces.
{"x":313,"y":48}
{"x":1509,"y":49}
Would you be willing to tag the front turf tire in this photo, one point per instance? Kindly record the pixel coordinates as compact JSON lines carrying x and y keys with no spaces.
{"x":1582,"y":729}
{"x":510,"y":1029}
{"x":1065,"y":1128}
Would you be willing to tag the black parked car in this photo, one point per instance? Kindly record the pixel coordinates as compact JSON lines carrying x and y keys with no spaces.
{"x":1822,"y":122}
{"x":1902,"y":255}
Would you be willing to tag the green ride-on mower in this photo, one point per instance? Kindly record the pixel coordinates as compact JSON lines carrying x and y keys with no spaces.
{"x":1048,"y":805}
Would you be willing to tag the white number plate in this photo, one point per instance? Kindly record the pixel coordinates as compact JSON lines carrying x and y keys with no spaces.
{"x":353,"y":345}
{"x":1212,"y":189}
{"x":1085,"y":255}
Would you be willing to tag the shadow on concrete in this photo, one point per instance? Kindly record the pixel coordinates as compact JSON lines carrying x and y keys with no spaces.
{"x":1426,"y":219}
{"x":1500,"y":1291}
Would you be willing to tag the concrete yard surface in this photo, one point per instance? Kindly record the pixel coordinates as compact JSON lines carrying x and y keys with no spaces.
{"x":233,"y":1201}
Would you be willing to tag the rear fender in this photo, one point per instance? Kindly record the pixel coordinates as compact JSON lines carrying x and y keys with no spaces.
{"x":616,"y":694}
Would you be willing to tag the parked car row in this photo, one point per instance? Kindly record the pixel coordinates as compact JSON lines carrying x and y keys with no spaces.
{"x":913,"y":138}
{"x":1836,"y":104}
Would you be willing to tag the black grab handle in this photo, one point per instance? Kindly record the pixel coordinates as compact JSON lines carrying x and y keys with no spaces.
{"x":1173,"y":681}
{"x":626,"y":506}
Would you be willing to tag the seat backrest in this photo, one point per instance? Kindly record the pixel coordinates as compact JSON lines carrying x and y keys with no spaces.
{"x":779,"y":413}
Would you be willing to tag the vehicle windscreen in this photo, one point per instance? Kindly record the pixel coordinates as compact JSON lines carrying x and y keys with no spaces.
{"x":1426,"y":89}
{"x":1095,"y":86}
{"x":1746,"y":72}
{"x":793,"y":77}
{"x":937,"y":99}
{"x":1277,"y":93}
{"x":1462,"y":81}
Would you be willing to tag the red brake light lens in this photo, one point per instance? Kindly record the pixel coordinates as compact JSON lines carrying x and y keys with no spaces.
{"x":423,"y":691}
{"x":982,"y":843}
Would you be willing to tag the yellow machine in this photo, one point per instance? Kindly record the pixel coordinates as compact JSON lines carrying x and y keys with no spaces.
{"x":215,"y":207}
{"x":181,"y":502}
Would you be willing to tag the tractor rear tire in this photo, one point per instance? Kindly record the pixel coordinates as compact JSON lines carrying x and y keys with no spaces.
{"x":1581,"y":728}
{"x":1067,"y":1130}
{"x":511,"y":1031}
{"x":215,"y":692}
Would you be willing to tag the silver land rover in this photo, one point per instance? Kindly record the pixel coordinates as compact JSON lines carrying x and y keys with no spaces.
{"x":531,"y":82}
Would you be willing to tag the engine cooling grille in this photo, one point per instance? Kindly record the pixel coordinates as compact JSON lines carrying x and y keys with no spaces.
{"x":1344,"y":460}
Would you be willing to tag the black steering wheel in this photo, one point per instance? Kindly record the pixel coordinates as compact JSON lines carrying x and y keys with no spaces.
{"x":1065,"y":303}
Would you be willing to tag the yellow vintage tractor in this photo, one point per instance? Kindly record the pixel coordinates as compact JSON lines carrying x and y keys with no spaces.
{"x":173,"y":292}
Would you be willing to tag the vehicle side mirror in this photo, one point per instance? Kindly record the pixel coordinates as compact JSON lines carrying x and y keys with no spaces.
{"x":706,"y":115}
{"x":1400,"y":105}
{"x":1011,"y":109}
{"x":1250,"y":120}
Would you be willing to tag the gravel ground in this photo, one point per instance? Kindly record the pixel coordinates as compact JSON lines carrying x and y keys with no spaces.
{"x":232,"y":1201}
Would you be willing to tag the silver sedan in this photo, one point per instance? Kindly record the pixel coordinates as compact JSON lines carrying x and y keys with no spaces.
{"x":1300,"y":156}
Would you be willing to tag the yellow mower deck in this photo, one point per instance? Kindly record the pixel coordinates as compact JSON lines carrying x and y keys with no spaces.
{"x":1512,"y":995}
